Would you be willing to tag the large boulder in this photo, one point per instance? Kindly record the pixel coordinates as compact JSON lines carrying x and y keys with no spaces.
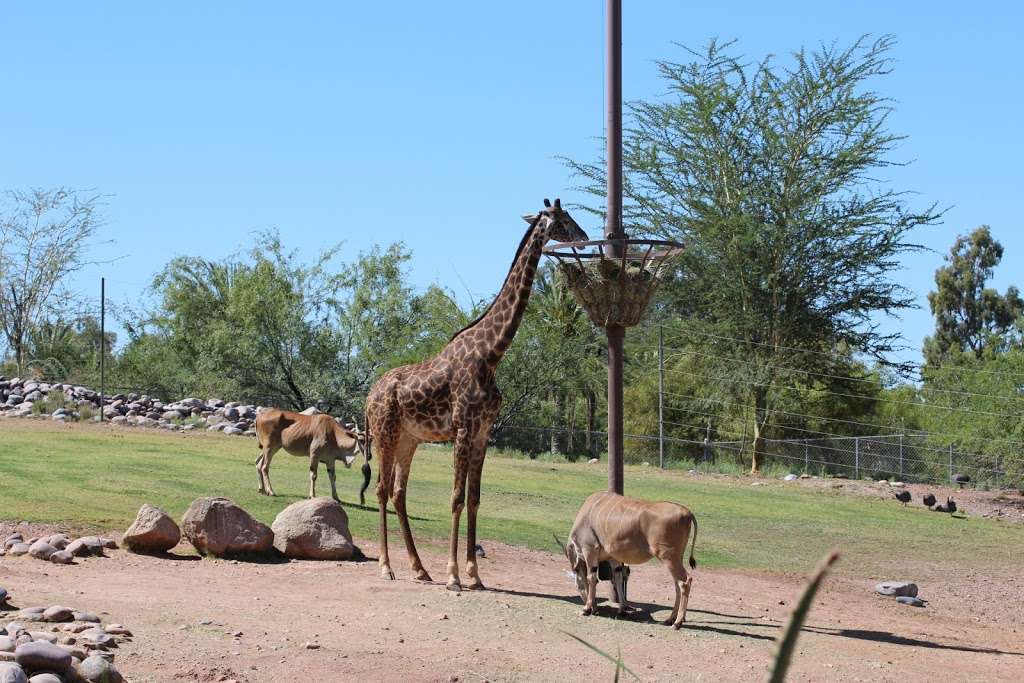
{"x":153,"y":531}
{"x":216,"y":526}
{"x":314,"y":529}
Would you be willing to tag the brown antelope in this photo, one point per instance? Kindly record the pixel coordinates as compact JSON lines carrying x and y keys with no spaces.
{"x":317,"y":437}
{"x":630,"y":531}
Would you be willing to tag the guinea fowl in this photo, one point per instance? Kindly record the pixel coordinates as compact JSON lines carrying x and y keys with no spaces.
{"x":961,"y":479}
{"x":903,"y":497}
{"x":928,"y":500}
{"x":949,"y":507}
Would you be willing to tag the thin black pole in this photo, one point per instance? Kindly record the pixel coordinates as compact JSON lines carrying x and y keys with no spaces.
{"x":613,"y":230}
{"x":661,"y":396}
{"x":103,"y":342}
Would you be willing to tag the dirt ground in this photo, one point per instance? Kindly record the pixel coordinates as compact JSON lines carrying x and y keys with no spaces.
{"x":186,"y":614}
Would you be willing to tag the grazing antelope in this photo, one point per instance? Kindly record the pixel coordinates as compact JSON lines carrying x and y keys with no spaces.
{"x":630,"y":531}
{"x":317,"y":437}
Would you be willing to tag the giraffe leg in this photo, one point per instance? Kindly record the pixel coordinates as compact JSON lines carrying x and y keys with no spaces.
{"x":475,"y":471}
{"x":385,"y":478}
{"x":402,"y":466}
{"x":462,"y":452}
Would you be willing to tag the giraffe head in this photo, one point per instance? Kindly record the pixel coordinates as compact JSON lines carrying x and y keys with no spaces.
{"x":559,"y":224}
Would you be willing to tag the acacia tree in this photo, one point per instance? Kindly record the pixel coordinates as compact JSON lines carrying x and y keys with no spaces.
{"x":767,"y":174}
{"x":970,"y":317}
{"x":44,"y":240}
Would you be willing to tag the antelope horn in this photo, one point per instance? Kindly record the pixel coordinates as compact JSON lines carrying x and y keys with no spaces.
{"x":559,"y":542}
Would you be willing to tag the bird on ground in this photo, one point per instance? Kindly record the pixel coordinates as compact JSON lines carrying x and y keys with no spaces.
{"x":949,"y":507}
{"x":928,"y":500}
{"x":903,"y":497}
{"x":479,"y":549}
{"x":961,"y":479}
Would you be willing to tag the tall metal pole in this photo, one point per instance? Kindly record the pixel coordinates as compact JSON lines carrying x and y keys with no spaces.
{"x":613,"y":230}
{"x":103,"y":342}
{"x":661,"y":397}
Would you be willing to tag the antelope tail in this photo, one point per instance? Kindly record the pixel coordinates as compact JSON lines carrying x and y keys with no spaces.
{"x":693,"y":544}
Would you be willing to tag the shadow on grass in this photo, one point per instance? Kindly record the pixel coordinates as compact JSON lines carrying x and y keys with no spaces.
{"x":367,"y":508}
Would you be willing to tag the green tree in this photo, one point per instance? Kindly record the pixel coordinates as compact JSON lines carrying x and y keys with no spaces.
{"x":970,"y":317}
{"x":45,"y":236}
{"x":767,"y":175}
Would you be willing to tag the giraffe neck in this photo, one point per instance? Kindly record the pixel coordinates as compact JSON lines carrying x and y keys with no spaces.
{"x":492,"y":333}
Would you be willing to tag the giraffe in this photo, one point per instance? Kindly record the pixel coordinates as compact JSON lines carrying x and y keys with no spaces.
{"x":453,"y":397}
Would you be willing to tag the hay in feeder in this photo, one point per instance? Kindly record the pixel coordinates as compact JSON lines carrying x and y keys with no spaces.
{"x":612,"y":291}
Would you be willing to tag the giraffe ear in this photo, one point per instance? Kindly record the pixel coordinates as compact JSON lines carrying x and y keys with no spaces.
{"x":529,"y":217}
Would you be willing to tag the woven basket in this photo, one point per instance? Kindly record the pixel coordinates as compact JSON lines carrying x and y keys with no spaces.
{"x":610,"y":293}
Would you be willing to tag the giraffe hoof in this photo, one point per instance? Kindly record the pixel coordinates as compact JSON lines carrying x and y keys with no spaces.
{"x":454,"y":586}
{"x":423,"y":577}
{"x":386,"y":573}
{"x":678,"y":625}
{"x":476,"y":585}
{"x":586,"y":612}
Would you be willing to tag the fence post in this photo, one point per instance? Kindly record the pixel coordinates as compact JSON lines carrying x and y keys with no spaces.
{"x":103,"y":342}
{"x":807,"y":457}
{"x":901,"y":457}
{"x":950,"y":463}
{"x":856,"y":457}
{"x":661,"y":397}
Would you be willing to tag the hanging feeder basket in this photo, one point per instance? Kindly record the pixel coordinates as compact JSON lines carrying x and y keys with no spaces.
{"x":614,"y":290}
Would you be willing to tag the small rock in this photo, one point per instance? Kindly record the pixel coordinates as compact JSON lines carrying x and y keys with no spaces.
{"x":96,"y":669}
{"x":62,"y":557}
{"x":12,"y":673}
{"x":41,"y":550}
{"x":3,"y":596}
{"x":45,"y":677}
{"x":593,"y":461}
{"x":40,"y":636}
{"x":19,"y":549}
{"x":42,"y":656}
{"x":58,"y":613}
{"x":913,"y":601}
{"x":312,"y":646}
{"x":897,"y":588}
{"x":790,"y":477}
{"x":86,"y":616}
{"x":6,"y":644}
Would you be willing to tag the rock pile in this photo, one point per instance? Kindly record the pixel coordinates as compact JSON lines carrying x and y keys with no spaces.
{"x":57,"y":644}
{"x":57,"y":548}
{"x":19,"y":398}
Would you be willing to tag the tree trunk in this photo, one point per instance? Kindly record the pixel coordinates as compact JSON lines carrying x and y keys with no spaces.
{"x":558,"y":432}
{"x":591,"y":415}
{"x":569,"y":440}
{"x":760,"y":421}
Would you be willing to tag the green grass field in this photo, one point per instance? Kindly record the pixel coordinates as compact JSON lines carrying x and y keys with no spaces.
{"x":89,"y":477}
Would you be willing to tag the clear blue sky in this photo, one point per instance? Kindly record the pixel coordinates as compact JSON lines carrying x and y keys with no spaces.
{"x":438,"y":123}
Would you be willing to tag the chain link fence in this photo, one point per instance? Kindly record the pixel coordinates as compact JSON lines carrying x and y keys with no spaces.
{"x":901,"y":457}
